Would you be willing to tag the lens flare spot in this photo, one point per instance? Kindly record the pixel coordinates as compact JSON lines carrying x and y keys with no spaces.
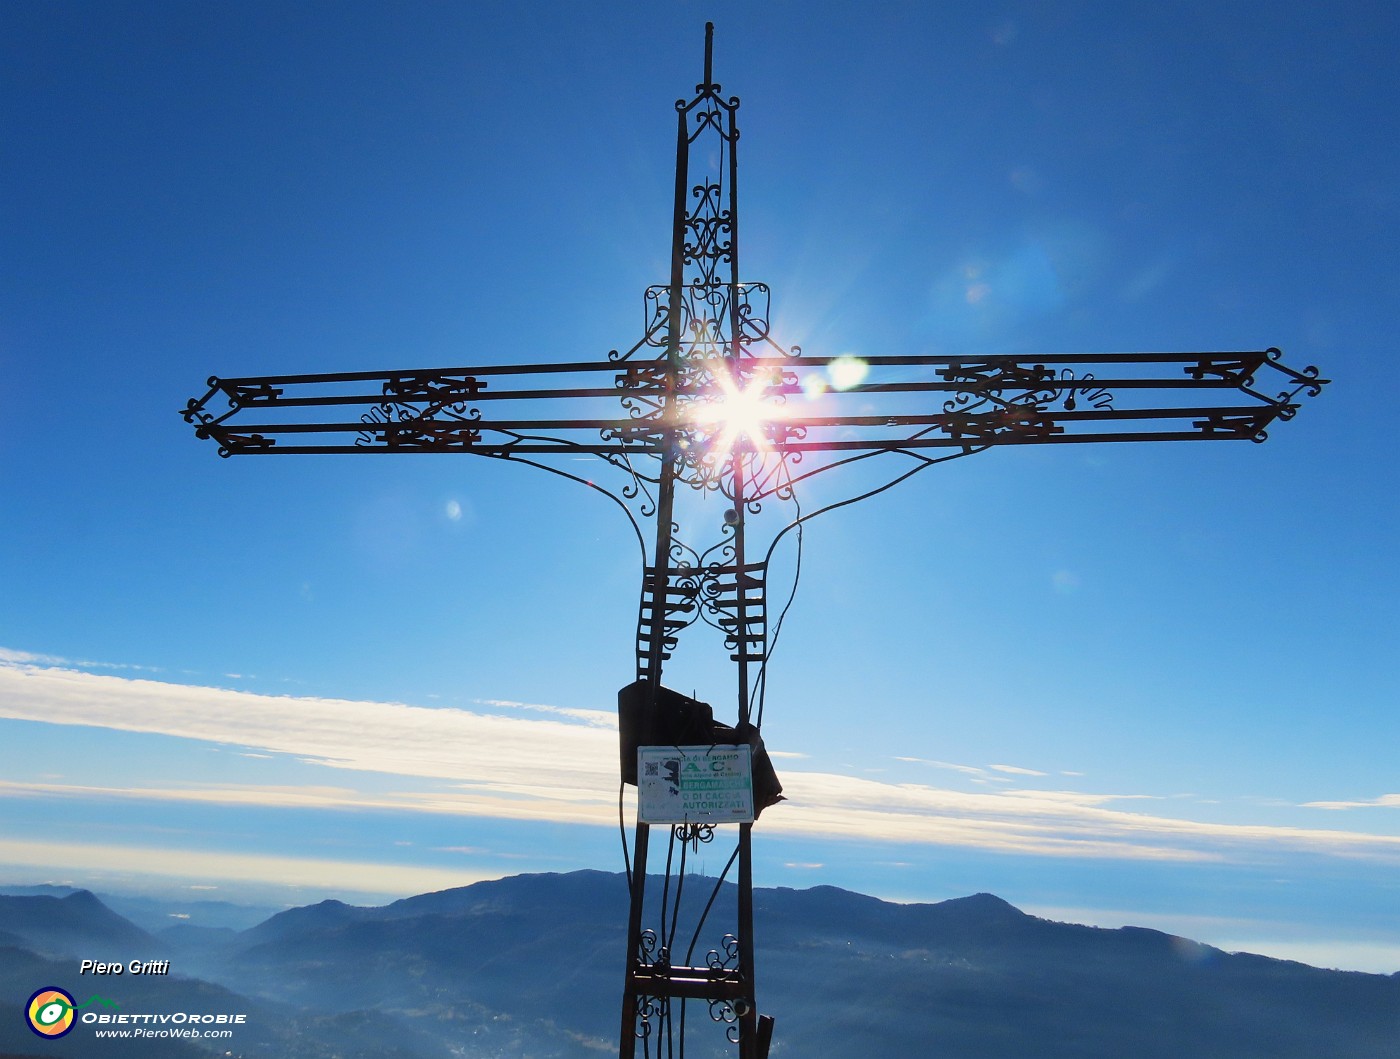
{"x":847,"y":372}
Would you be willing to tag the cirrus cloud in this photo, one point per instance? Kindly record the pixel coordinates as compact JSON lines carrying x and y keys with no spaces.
{"x":559,"y":764}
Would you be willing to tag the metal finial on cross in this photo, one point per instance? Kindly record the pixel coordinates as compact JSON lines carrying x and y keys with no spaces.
{"x":709,"y":52}
{"x":710,"y":401}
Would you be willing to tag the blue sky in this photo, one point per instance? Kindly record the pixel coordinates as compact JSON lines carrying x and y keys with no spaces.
{"x":1149,"y":684}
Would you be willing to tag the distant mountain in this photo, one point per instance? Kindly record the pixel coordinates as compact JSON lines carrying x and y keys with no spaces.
{"x":153,"y":914}
{"x":76,"y":925}
{"x":978,"y":978}
{"x":10,"y":941}
{"x":532,"y":965}
{"x":41,"y":890}
{"x":298,"y":922}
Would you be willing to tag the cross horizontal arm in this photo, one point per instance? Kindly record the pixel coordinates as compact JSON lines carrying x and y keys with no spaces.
{"x":428,"y":409}
{"x":977,"y":401}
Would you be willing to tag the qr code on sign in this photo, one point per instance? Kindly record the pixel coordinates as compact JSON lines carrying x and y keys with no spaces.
{"x":653,"y":768}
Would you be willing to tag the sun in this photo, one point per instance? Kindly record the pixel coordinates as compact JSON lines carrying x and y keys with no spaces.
{"x":738,"y":413}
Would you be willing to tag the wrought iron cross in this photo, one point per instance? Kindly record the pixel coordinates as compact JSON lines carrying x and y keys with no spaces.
{"x":708,"y":400}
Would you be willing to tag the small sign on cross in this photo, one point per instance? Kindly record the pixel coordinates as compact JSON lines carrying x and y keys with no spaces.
{"x":695,"y":784}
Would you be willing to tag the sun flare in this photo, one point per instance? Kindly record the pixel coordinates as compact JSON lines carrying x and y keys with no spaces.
{"x":739,"y":412}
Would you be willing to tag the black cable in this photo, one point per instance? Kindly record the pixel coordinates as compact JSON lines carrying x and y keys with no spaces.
{"x":761,"y":684}
{"x":924,"y":463}
{"x":708,"y":904}
{"x":670,"y":1036}
{"x":827,"y":467}
{"x":676,"y":907}
{"x":622,"y":830}
{"x":666,"y":890}
{"x":583,"y":481}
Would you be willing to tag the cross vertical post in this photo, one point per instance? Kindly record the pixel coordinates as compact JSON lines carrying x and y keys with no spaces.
{"x":703,"y":329}
{"x":656,"y":582}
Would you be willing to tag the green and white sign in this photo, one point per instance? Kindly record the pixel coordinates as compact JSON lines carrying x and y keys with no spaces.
{"x":694,"y":784}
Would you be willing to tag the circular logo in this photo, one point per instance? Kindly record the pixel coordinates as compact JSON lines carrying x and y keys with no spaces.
{"x":50,"y":1012}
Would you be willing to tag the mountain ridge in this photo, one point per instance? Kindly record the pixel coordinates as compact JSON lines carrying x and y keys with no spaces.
{"x":531,"y":964}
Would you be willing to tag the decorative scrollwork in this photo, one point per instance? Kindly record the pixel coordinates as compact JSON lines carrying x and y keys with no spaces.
{"x":696,"y":834}
{"x":376,"y":416}
{"x":966,"y":400}
{"x":708,"y":224}
{"x":709,"y":113}
{"x":723,"y":1011}
{"x":637,"y":486}
{"x":649,"y":1009}
{"x":194,"y":412}
{"x":650,"y":952}
{"x":1069,"y":392}
{"x":726,"y":957}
